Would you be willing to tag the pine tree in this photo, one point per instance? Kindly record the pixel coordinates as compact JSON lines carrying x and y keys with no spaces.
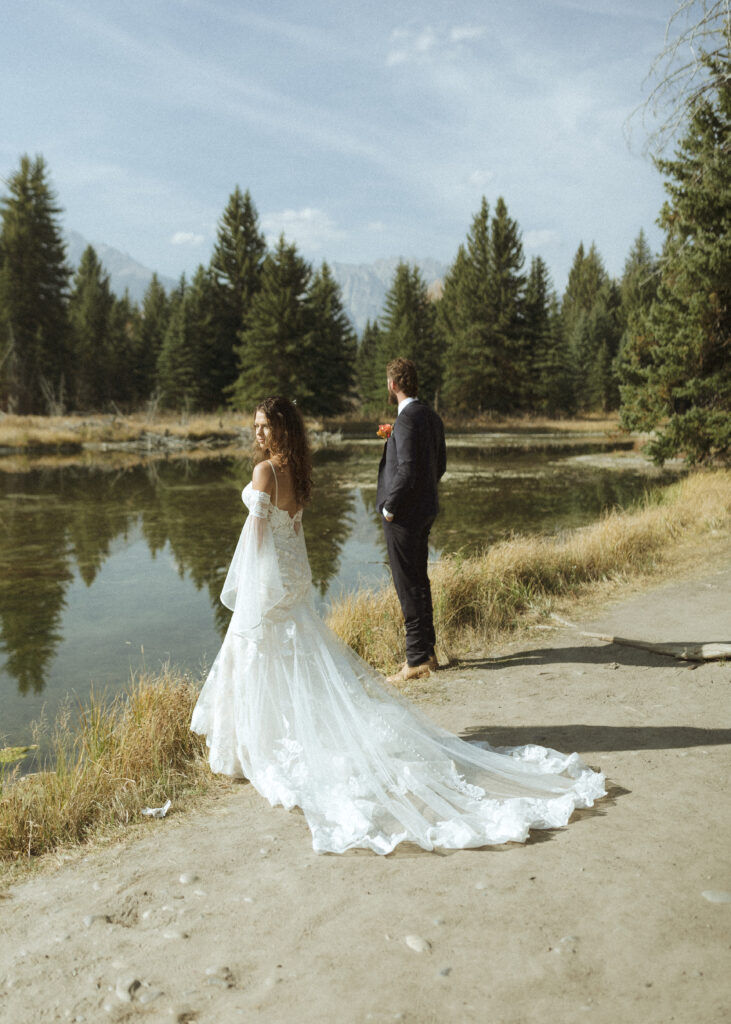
{"x":201,"y":314}
{"x":124,"y":325}
{"x":33,"y":290}
{"x":90,"y":317}
{"x":547,"y":387}
{"x":370,"y":372}
{"x":590,"y":322}
{"x":586,"y":277}
{"x":676,"y":372}
{"x":594,"y":346}
{"x":640,"y":278}
{"x":462,"y":321}
{"x":331,"y":343}
{"x":236,"y":268}
{"x":409,"y":329}
{"x":481,"y":317}
{"x":153,"y":320}
{"x":273,"y":352}
{"x":177,"y":364}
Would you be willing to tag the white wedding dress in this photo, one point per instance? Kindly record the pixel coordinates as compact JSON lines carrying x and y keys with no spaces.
{"x":290,"y":707}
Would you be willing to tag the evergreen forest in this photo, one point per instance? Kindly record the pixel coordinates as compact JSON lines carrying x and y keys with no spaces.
{"x":494,"y":338}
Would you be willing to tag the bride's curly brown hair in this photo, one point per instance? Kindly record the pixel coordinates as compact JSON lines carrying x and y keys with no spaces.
{"x":289,"y":441}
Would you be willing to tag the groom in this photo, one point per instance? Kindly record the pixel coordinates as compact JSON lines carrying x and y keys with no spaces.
{"x":414,"y":460}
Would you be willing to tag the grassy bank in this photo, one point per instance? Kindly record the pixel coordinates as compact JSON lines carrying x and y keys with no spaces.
{"x":111,"y":759}
{"x":76,"y":432}
{"x":63,"y":432}
{"x":478,"y":599}
{"x":116,"y":757}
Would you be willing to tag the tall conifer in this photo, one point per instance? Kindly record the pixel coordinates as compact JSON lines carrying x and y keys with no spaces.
{"x":34,"y":281}
{"x":409,"y":329}
{"x":370,"y":372}
{"x":676,"y":371}
{"x":90,"y":316}
{"x":154,"y":317}
{"x":331,"y":344}
{"x":236,"y":267}
{"x":177,"y":364}
{"x":273,"y":351}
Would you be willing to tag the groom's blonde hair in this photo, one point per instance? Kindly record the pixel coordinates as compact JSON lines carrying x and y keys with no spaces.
{"x":403,"y":373}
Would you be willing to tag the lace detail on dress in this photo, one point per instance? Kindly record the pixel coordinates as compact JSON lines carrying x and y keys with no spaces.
{"x":297,"y":712}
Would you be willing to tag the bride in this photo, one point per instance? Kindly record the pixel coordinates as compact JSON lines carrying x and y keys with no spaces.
{"x":290,"y":707}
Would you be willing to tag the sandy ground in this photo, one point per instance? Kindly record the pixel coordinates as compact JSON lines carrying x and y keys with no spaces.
{"x":225,"y":914}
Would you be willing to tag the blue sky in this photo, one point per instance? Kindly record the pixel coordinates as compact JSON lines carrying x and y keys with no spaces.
{"x":362,"y":129}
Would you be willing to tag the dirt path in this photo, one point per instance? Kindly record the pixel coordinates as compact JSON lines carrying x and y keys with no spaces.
{"x":225,"y":914}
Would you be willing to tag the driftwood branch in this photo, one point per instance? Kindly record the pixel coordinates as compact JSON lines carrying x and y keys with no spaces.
{"x":684,"y":652}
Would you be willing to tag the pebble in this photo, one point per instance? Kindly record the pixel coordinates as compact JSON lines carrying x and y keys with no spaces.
{"x":173,"y":933}
{"x":445,"y":971}
{"x":418,"y":944}
{"x":439,"y":920}
{"x":716,"y":896}
{"x":126,"y":987}
{"x":148,"y":995}
{"x":481,"y":885}
{"x":199,"y":892}
{"x":567,"y":944}
{"x":220,"y":976}
{"x":91,"y":919}
{"x":188,"y":877}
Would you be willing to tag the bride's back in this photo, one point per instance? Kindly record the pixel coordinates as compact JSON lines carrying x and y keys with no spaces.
{"x":283,"y":493}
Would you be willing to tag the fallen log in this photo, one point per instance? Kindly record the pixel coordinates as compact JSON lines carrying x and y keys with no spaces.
{"x":711,"y":651}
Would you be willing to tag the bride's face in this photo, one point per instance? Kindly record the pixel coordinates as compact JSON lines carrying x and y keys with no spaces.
{"x":262,"y":431}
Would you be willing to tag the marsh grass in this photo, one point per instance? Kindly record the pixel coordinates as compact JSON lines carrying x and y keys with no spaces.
{"x":110,"y":758}
{"x":35,"y":433}
{"x":479,"y":598}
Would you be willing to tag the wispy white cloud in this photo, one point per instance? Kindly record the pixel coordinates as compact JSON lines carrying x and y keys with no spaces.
{"x":462,"y":33}
{"x":186,"y":238}
{"x":309,"y":227}
{"x":426,"y":44}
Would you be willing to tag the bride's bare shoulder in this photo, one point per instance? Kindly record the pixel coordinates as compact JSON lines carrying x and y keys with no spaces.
{"x":262,"y":479}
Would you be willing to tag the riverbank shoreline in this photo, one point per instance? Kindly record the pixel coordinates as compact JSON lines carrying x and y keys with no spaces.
{"x":211,"y":432}
{"x":222,"y":911}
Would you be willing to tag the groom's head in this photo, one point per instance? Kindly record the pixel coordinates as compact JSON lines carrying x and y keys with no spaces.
{"x":401,"y":379}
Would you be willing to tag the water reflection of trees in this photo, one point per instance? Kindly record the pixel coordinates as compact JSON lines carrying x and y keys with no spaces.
{"x":55,"y":522}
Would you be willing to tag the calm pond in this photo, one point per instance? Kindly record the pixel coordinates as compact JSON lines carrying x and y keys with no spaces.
{"x":107,"y":568}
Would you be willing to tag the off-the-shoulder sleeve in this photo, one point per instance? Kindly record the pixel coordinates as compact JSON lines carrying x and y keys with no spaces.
{"x":253,"y":585}
{"x":258,"y":503}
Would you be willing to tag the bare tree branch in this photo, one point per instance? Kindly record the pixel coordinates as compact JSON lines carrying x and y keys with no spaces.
{"x":679,"y":76}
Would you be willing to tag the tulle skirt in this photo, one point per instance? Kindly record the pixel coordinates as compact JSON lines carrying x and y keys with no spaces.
{"x":301,"y":716}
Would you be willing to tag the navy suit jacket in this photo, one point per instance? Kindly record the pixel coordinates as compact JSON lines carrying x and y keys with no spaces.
{"x":414,"y":460}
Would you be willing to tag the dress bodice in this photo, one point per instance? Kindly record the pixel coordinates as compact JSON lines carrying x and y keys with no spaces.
{"x":289,"y":541}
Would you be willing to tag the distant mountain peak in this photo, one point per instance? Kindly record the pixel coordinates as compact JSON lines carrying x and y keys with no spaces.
{"x":363,"y":285}
{"x":125,"y":272}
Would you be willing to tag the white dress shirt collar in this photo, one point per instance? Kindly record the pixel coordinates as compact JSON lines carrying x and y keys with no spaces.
{"x":402,"y":405}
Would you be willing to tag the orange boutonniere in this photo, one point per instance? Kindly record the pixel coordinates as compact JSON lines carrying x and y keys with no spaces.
{"x":384,"y":430}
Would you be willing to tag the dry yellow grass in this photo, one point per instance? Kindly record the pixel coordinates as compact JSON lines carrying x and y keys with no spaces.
{"x":110,"y":759}
{"x":57,"y":431}
{"x":478,"y":598}
{"x":37,"y":432}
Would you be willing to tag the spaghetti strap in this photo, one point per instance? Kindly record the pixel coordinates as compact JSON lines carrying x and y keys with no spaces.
{"x":276,"y":484}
